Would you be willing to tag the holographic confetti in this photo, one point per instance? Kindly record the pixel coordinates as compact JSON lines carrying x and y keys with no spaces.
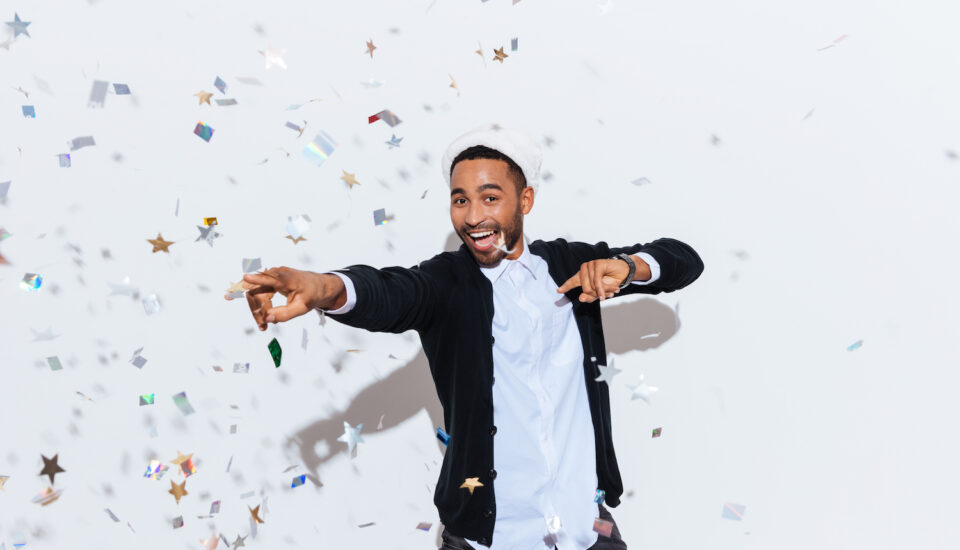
{"x":602,"y":526}
{"x":423,"y":526}
{"x":31,"y":281}
{"x":275,"y":351}
{"x":387,"y":116}
{"x":187,"y":468}
{"x":394,"y":141}
{"x":226,"y":102}
{"x":640,"y":181}
{"x":98,"y":93}
{"x":81,"y":142}
{"x":29,"y":111}
{"x":855,"y":345}
{"x":513,"y":44}
{"x":241,"y":367}
{"x":215,"y":507}
{"x":205,"y":132}
{"x":443,"y":436}
{"x":294,"y":127}
{"x":146,"y":399}
{"x":138,"y":360}
{"x":209,"y":221}
{"x":64,"y":160}
{"x":178,"y":522}
{"x":156,"y":469}
{"x":598,"y":498}
{"x":298,"y":481}
{"x":54,"y":363}
{"x":121,"y":89}
{"x":4,"y":189}
{"x":46,"y":496}
{"x":320,"y":149}
{"x":297,"y":226}
{"x":657,"y":432}
{"x":251,"y":264}
{"x":380,"y":216}
{"x":733,"y":511}
{"x":181,"y":400}
{"x":151,"y":304}
{"x":220,"y":85}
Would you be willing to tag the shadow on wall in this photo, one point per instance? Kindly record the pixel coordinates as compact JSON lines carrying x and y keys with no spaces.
{"x":637,"y":325}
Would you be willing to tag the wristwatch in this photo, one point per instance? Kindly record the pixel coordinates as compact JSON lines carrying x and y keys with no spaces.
{"x":633,"y":268}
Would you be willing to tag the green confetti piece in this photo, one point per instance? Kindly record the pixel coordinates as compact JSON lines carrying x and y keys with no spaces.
{"x":275,"y":351}
{"x":146,"y":399}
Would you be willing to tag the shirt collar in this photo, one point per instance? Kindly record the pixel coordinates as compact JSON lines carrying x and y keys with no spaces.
{"x":526,"y":259}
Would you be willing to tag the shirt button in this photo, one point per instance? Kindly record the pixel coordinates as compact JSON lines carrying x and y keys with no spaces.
{"x":493,"y":474}
{"x":493,"y":430}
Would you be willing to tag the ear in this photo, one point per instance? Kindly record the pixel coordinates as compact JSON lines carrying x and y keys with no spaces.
{"x":526,"y":199}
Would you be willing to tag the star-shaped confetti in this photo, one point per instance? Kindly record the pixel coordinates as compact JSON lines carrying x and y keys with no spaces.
{"x":254,"y":512}
{"x":499,"y":55}
{"x":50,"y":467}
{"x":351,"y":436}
{"x":349,"y":178}
{"x":394,"y":141}
{"x":479,"y":51}
{"x":295,"y":239}
{"x":204,"y":97}
{"x":178,"y":491}
{"x":208,"y":233}
{"x":642,"y":391}
{"x":160,"y":244}
{"x":471,"y":483}
{"x":453,"y":84}
{"x":185,"y":462}
{"x":274,"y":56}
{"x":19,"y":27}
{"x":607,"y":372}
{"x":370,"y":48}
{"x":239,"y":542}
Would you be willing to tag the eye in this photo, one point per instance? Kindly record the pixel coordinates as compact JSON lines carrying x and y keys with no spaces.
{"x":455,"y":200}
{"x":494,"y":198}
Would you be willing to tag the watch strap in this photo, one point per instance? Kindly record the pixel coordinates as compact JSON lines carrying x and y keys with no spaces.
{"x":633,"y":268}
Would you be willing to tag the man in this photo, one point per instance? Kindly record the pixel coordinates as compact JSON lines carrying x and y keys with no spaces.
{"x":513,"y":337}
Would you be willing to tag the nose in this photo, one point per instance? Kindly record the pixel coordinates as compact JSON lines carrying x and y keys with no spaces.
{"x":475,"y":214}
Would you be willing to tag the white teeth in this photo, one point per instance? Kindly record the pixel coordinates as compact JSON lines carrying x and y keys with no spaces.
{"x":481,"y":235}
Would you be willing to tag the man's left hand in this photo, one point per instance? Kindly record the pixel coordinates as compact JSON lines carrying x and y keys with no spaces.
{"x":598,"y":278}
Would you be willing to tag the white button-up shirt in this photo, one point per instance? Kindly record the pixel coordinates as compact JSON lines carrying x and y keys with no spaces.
{"x":544,"y":449}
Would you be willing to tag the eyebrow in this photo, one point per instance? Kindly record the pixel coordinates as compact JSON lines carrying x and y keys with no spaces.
{"x":482,"y":188}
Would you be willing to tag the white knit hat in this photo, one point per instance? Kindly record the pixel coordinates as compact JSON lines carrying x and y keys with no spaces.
{"x":521,"y":148}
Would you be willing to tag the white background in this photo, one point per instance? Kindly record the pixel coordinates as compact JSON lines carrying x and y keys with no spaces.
{"x":847,"y":218}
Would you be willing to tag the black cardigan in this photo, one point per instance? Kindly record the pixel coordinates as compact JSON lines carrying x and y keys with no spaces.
{"x":449,"y":302}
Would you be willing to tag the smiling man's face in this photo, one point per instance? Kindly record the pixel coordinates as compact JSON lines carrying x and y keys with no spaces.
{"x":484,"y":198}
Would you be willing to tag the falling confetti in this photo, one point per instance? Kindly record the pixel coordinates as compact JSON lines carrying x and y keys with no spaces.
{"x":205,"y":132}
{"x":733,"y":511}
{"x":54,"y":363}
{"x":146,"y":399}
{"x":387,"y":116}
{"x":320,"y":149}
{"x":155,"y":470}
{"x":657,"y":432}
{"x":602,"y":526}
{"x":855,"y":345}
{"x":599,"y":496}
{"x":29,"y":111}
{"x":298,"y":481}
{"x":121,"y":89}
{"x":443,"y":436}
{"x":251,"y":265}
{"x":181,"y":401}
{"x":64,"y":159}
{"x":31,"y":281}
{"x":275,"y":351}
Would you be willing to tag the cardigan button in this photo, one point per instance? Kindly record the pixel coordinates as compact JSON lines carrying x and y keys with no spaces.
{"x":493,"y":430}
{"x":487,"y":513}
{"x":483,"y":541}
{"x":493,"y":340}
{"x":493,"y":474}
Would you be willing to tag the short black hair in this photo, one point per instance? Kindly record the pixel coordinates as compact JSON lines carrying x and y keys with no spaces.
{"x":483,"y":152}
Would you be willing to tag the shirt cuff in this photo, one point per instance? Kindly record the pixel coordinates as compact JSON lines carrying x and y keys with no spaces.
{"x":654,"y":268}
{"x":351,"y":295}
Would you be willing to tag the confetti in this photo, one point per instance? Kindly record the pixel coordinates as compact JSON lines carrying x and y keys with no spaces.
{"x":350,"y":179}
{"x":3,"y":479}
{"x":733,"y":511}
{"x":205,"y":132}
{"x":50,"y":467}
{"x":81,"y":142}
{"x":156,"y":469}
{"x":320,"y":149}
{"x":386,"y":116}
{"x":64,"y":159}
{"x":220,"y":85}
{"x":159,"y":244}
{"x":19,"y":27}
{"x":602,"y":526}
{"x":424,"y":526}
{"x":471,"y":483}
{"x":855,"y":345}
{"x":215,"y":507}
{"x":370,"y":47}
{"x":297,"y":226}
{"x":181,"y":400}
{"x":351,"y":436}
{"x":178,"y":522}
{"x":146,"y":399}
{"x":275,"y":351}
{"x":28,"y":111}
{"x":380,"y":217}
{"x":178,"y":491}
{"x":241,"y":367}
{"x":499,"y":55}
{"x":112,"y":516}
{"x":54,"y":363}
{"x":138,"y":360}
{"x":513,"y":43}
{"x":207,"y":233}
{"x":4,"y":189}
{"x":394,"y":141}
{"x":303,"y":339}
{"x":642,"y":391}
{"x":640,"y":181}
{"x":598,"y":498}
{"x":151,"y":304}
{"x":226,"y":102}
{"x":31,"y":281}
{"x":368,"y":524}
{"x":443,"y":436}
{"x":298,"y":481}
{"x":98,"y":93}
{"x":607,"y":372}
{"x":254,"y":513}
{"x":250,"y":80}
{"x":121,"y":89}
{"x":185,"y":462}
{"x":46,"y":496}
{"x":657,"y":432}
{"x":274,"y":56}
{"x":251,"y":265}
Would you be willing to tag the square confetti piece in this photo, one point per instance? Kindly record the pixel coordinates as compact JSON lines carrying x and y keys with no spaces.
{"x":598,"y":498}
{"x":251,"y":264}
{"x":298,"y":481}
{"x":226,"y":102}
{"x":387,"y":116}
{"x":121,"y":89}
{"x":733,"y":511}
{"x":241,"y":367}
{"x":147,"y":399}
{"x":31,"y":281}
{"x":98,"y":93}
{"x":156,"y":469}
{"x":443,"y":436}
{"x":855,"y":345}
{"x":657,"y":432}
{"x":181,"y":400}
{"x":275,"y":351}
{"x":64,"y":159}
{"x":205,"y":132}
{"x":29,"y":111}
{"x":513,"y":44}
{"x":379,"y":216}
{"x":54,"y":363}
{"x":220,"y":85}
{"x":178,"y":522}
{"x":423,"y":526}
{"x":320,"y":149}
{"x":215,"y":507}
{"x":151,"y":304}
{"x":602,"y":526}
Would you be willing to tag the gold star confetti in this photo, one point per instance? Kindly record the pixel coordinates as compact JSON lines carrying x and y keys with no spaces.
{"x":254,"y":512}
{"x":479,"y":52}
{"x":370,"y":48}
{"x":160,"y":244}
{"x":471,"y":483}
{"x":236,"y":287}
{"x":204,"y":97}
{"x":453,"y":84}
{"x":498,"y":55}
{"x":350,"y":178}
{"x":298,"y":239}
{"x":3,"y":479}
{"x":50,"y":467}
{"x":178,"y":490}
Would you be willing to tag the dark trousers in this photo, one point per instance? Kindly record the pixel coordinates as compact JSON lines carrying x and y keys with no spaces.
{"x":613,"y":542}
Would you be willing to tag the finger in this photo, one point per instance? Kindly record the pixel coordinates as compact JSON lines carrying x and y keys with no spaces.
{"x":282,"y":314}
{"x":572,"y":282}
{"x":262,"y":279}
{"x":257,"y":301}
{"x":585,"y":281}
{"x":598,"y":282}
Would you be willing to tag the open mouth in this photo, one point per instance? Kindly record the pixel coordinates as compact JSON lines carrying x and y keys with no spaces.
{"x":483,"y":240}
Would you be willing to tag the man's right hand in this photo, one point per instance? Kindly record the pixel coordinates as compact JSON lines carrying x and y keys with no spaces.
{"x":304,"y":290}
